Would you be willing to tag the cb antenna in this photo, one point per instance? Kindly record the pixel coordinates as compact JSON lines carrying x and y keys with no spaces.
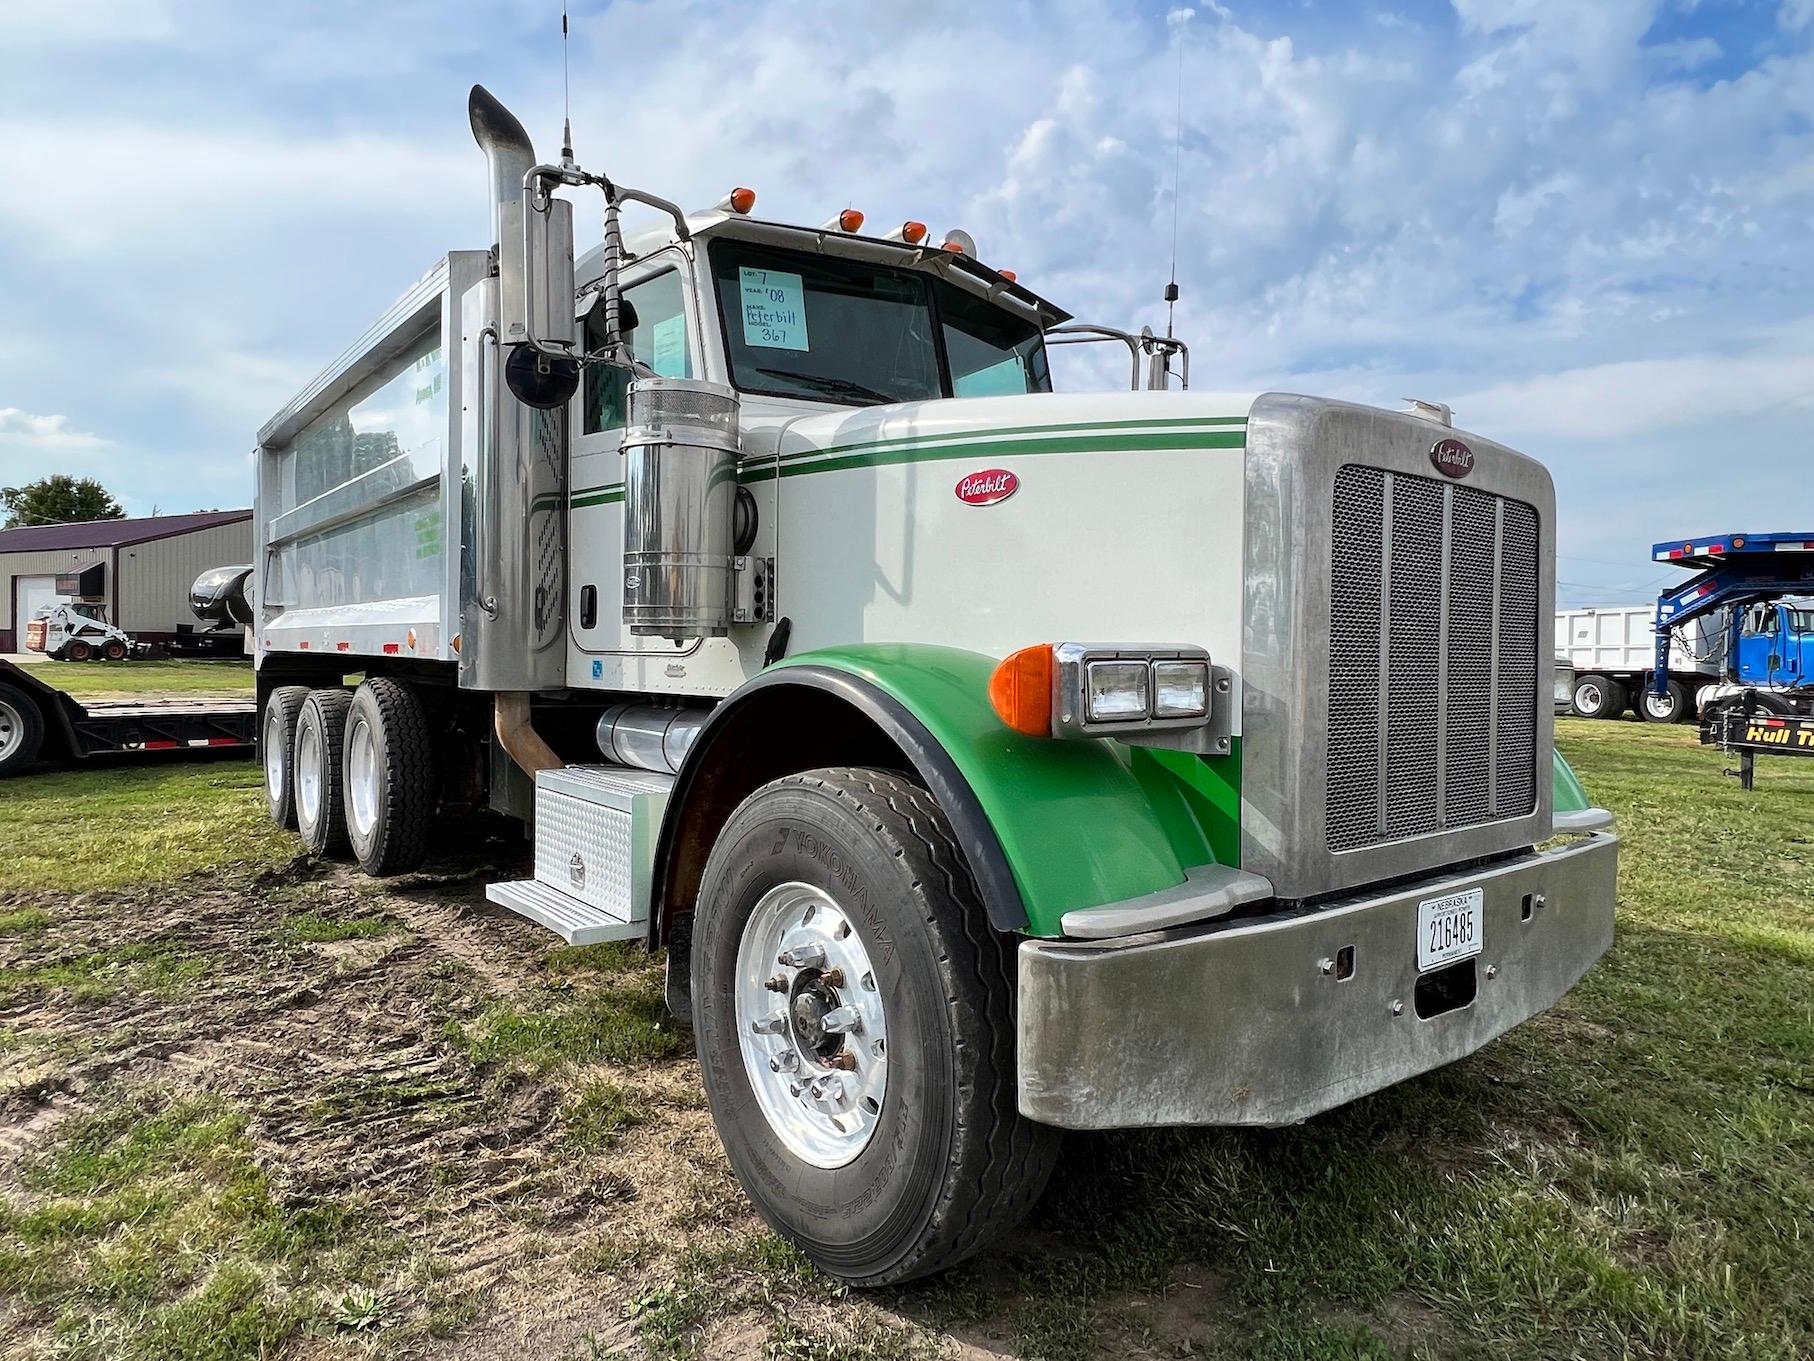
{"x":1171,"y":288}
{"x":567,"y":161}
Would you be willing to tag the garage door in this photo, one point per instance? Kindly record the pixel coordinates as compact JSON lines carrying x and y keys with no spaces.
{"x":31,"y":594}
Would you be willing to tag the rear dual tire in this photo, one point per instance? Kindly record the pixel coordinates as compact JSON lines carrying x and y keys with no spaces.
{"x":391,"y":780}
{"x":320,"y":759}
{"x":943,"y":1162}
{"x":277,"y":751}
{"x":1599,"y":697}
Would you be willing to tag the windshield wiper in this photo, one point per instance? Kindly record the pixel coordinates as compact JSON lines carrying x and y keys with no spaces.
{"x":835,"y":387}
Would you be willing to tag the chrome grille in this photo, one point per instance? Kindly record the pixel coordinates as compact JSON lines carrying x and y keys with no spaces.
{"x":1432,"y":720}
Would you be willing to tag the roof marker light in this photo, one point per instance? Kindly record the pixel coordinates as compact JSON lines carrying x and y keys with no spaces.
{"x":909,"y":231}
{"x":850,"y":220}
{"x":1008,"y":274}
{"x":739,"y":201}
{"x":960,"y":242}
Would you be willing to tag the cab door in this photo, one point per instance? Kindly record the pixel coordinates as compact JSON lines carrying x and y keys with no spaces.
{"x":660,"y":327}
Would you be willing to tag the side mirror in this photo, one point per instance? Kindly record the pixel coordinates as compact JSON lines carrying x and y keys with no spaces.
{"x":539,"y":379}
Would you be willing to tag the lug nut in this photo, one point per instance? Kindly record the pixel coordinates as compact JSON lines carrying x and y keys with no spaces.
{"x":843,"y":1060}
{"x":777,"y":984}
{"x":807,"y":956}
{"x":834,"y":977}
{"x":784,"y":1062}
{"x":772,"y":1024}
{"x":841,"y":1019}
{"x":1325,"y":966}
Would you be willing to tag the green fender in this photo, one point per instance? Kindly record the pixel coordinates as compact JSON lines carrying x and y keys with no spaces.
{"x":1080,"y":823}
{"x":1570,"y":796}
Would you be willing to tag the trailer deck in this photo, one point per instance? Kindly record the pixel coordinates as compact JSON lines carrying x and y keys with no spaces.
{"x":73,"y":730}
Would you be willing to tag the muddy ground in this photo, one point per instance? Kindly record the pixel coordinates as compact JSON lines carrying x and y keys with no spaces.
{"x":516,"y":1129}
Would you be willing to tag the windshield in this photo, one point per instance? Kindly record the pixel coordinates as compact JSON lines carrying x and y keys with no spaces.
{"x":825,"y":329}
{"x":1801,"y":621}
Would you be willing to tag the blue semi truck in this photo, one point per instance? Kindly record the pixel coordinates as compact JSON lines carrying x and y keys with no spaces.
{"x":1752,"y":585}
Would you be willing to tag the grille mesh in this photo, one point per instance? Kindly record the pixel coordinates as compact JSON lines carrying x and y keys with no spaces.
{"x":1432,"y":719}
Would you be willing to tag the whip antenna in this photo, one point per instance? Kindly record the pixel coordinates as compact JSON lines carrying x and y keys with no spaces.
{"x":1171,"y":288}
{"x":567,"y":161}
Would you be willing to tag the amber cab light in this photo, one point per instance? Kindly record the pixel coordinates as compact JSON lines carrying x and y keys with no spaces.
{"x":1008,"y":274}
{"x":913,"y":232}
{"x":1021,"y":690}
{"x":850,"y":220}
{"x":740,"y":200}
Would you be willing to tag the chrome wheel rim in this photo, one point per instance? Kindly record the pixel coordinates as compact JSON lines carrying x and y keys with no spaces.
{"x":308,"y":771}
{"x":361,"y":777}
{"x":276,"y":777}
{"x":811,"y":1025}
{"x":12,"y":730}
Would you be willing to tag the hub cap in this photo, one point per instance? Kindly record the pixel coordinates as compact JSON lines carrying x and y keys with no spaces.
{"x":811,"y":1024}
{"x":361,"y":777}
{"x":275,"y":774}
{"x":12,"y":730}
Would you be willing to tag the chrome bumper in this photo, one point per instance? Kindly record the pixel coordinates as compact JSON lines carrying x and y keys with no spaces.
{"x":1247,"y":1022}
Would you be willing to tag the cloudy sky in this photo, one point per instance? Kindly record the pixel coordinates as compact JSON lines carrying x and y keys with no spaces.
{"x":1585,"y":224}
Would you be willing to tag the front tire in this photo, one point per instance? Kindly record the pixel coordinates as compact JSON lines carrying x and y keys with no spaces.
{"x":79,"y":651}
{"x":390,"y":778}
{"x":1668,"y":709}
{"x":113,"y":650}
{"x":277,"y":751}
{"x":320,"y":786}
{"x":912,"y":1154}
{"x":1599,"y":697}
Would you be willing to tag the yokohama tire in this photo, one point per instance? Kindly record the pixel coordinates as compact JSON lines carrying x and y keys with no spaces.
{"x":21,"y":730}
{"x":320,"y":785}
{"x":1669,"y":709}
{"x":277,"y":751}
{"x":390,"y":778}
{"x":1599,"y":697}
{"x":948,"y":1163}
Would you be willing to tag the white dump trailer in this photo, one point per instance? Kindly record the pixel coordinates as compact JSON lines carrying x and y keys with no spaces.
{"x":1613,"y":649}
{"x":989,"y":761}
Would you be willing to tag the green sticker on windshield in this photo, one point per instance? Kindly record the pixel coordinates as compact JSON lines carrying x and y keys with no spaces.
{"x":1005,"y":377}
{"x":670,"y":346}
{"x":774,"y":309}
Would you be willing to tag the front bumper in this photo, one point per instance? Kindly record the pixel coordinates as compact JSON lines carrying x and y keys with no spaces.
{"x":1247,"y":1022}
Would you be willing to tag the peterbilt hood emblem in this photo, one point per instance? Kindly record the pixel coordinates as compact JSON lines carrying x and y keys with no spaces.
{"x":1452,"y":458}
{"x":987,"y":487}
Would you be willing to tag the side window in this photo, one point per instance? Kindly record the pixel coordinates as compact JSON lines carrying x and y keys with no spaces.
{"x":654,"y":321}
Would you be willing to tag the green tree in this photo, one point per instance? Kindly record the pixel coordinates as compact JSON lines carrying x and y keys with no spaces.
{"x":58,"y":500}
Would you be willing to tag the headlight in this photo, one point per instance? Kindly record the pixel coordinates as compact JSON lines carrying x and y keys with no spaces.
{"x":1181,"y":689}
{"x":1156,"y":696}
{"x":1115,"y":692}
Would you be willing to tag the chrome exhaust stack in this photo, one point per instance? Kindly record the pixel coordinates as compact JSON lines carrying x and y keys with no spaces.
{"x":513,"y":582}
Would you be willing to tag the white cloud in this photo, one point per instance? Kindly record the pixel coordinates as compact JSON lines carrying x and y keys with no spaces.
{"x":22,"y":430}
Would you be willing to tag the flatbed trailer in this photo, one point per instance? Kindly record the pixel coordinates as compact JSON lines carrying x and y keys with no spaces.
{"x":1746,"y":730}
{"x":39,"y":721}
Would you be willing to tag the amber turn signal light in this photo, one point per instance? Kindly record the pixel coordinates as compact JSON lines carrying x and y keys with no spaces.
{"x":1021,"y":690}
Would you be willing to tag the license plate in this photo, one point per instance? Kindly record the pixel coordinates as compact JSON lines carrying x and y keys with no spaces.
{"x":1449,"y":928}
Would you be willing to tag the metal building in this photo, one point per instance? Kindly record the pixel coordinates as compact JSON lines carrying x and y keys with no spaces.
{"x":149,"y":565}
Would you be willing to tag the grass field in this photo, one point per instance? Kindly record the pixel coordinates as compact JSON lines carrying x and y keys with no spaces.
{"x":252,"y":1107}
{"x":117,"y":680}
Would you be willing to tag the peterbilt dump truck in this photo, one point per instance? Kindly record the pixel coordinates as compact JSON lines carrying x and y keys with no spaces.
{"x":989,"y":761}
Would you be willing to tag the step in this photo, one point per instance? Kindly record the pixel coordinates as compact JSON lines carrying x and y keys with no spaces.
{"x":573,"y":921}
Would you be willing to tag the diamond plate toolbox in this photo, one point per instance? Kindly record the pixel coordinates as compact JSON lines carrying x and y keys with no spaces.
{"x":595,"y":835}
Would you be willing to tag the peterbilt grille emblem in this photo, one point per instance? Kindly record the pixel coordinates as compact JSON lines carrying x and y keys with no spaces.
{"x":576,"y":870}
{"x":987,"y":487}
{"x":1452,"y":458}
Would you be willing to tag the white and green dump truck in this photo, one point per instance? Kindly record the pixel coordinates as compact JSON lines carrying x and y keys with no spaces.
{"x":989,"y":761}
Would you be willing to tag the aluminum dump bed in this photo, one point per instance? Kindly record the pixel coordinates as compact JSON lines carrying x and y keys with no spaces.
{"x":358,"y":479}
